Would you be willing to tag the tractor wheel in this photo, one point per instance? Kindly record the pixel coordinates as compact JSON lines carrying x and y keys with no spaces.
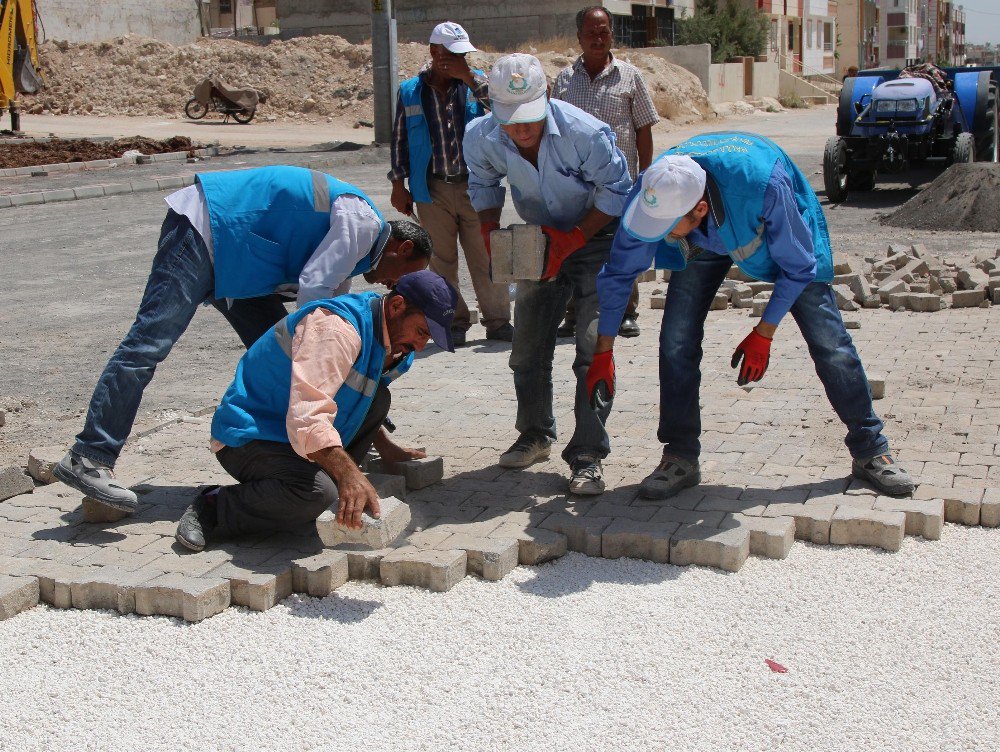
{"x":835,"y":169}
{"x":195,"y":109}
{"x":861,"y":180}
{"x":964,"y":149}
{"x":987,"y":144}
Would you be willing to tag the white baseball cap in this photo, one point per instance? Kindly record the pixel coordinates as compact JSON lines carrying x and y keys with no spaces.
{"x":453,"y":37}
{"x":670,"y":188}
{"x":517,"y":89}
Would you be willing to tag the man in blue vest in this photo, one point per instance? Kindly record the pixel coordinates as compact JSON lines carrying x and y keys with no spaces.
{"x":244,"y":241}
{"x":308,"y":400}
{"x":431,"y":114}
{"x":712,"y":201}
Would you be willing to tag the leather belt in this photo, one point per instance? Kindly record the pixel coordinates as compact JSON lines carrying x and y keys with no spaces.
{"x":464,"y":178}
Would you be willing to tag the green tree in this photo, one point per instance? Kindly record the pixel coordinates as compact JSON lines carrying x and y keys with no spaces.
{"x":734,"y":30}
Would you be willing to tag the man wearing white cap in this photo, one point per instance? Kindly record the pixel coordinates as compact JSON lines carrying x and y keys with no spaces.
{"x":567,"y":175}
{"x":431,"y":114}
{"x":712,"y":201}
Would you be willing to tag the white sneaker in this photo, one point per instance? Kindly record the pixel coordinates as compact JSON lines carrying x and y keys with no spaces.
{"x":527,"y":450}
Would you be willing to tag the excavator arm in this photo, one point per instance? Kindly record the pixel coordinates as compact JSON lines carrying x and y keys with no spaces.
{"x":18,"y":54}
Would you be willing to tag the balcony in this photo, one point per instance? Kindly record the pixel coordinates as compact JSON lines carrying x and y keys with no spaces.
{"x":896,"y":20}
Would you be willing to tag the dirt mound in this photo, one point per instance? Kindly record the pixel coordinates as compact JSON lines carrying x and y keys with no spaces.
{"x":963,"y":197}
{"x":33,"y":153}
{"x":310,"y":78}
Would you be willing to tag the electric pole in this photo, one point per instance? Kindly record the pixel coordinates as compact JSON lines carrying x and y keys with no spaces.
{"x":385,"y":67}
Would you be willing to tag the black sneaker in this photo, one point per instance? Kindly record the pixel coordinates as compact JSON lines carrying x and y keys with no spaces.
{"x":586,"y":477}
{"x":197,"y":523}
{"x":503,"y":333}
{"x":883,"y":473}
{"x":629,"y":327}
{"x":458,"y":336}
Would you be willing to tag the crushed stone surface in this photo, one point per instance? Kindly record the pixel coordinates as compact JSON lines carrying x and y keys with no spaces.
{"x":31,"y":153}
{"x":884,"y":651}
{"x":963,"y":197}
{"x":311,"y":79}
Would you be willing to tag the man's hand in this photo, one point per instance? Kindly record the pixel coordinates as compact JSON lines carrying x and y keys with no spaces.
{"x":601,"y":377}
{"x":392,"y":453}
{"x":401,"y":199}
{"x":561,"y":245}
{"x":485,"y":228}
{"x":755,"y":352}
{"x":458,"y":68}
{"x":356,"y":496}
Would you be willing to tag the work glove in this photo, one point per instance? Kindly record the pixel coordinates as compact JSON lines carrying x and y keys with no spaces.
{"x":485,"y":228}
{"x":601,"y":378}
{"x":755,"y":352}
{"x":560,"y":246}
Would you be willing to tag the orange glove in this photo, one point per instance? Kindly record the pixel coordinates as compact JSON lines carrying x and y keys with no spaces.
{"x":601,"y":375}
{"x":755,"y":351}
{"x":560,"y":246}
{"x":485,"y":228}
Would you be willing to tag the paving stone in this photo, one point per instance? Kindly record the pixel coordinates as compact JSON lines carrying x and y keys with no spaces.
{"x":877,"y":384}
{"x":973,"y":279}
{"x":529,"y":251}
{"x":863,"y":527}
{"x":435,"y":570}
{"x":719,"y":303}
{"x":583,"y":534}
{"x":770,"y":537}
{"x":13,"y":482}
{"x":321,"y":574}
{"x":812,"y":521}
{"x":259,"y":587}
{"x":55,"y":581}
{"x":924,"y":517}
{"x":363,"y":564}
{"x":374,"y":533}
{"x":17,"y":594}
{"x":110,"y":588}
{"x":635,"y":539}
{"x":924,"y":302}
{"x":535,"y":545}
{"x":386,"y":485}
{"x":711,"y":518}
{"x":845,"y":297}
{"x":961,"y":505}
{"x":42,"y":461}
{"x":990,"y":509}
{"x":423,"y":472}
{"x":709,"y":546}
{"x":967,"y":298}
{"x":657,"y":302}
{"x":489,"y":558}
{"x":502,"y":256}
{"x":94,"y":511}
{"x":184,"y":597}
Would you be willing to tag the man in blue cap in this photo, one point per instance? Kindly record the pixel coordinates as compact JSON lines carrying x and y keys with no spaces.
{"x":308,"y":400}
{"x":712,"y":201}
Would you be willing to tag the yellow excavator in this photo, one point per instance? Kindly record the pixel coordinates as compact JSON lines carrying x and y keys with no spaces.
{"x":18,"y":55}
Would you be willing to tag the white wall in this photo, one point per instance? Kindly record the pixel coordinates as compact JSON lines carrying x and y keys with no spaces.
{"x":174,"y":21}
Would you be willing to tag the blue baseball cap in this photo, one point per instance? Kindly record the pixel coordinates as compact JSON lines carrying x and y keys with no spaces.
{"x":429,"y":292}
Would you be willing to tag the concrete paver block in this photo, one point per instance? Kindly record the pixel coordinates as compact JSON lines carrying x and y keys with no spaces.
{"x":968,"y":298}
{"x":535,"y":545}
{"x":924,"y":517}
{"x":877,"y":384}
{"x":423,"y":472}
{"x":502,"y":256}
{"x":374,"y":533}
{"x":42,"y":460}
{"x":386,"y":485}
{"x":55,"y":581}
{"x":17,"y":594}
{"x":961,"y":505}
{"x":435,"y":570}
{"x":363,"y":564}
{"x":634,"y":539}
{"x":989,"y":515}
{"x":583,"y":534}
{"x":812,"y":521}
{"x":94,"y":511}
{"x":711,"y":547}
{"x":321,"y":574}
{"x":867,"y":527}
{"x":770,"y":537}
{"x":657,"y":302}
{"x":110,"y":588}
{"x":489,"y":558}
{"x":924,"y":302}
{"x":973,"y":279}
{"x":259,"y":587}
{"x":13,"y":482}
{"x":719,"y":303}
{"x":529,"y":251}
{"x":188,"y":598}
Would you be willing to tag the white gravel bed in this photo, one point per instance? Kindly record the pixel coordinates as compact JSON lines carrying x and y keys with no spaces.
{"x":884,"y":651}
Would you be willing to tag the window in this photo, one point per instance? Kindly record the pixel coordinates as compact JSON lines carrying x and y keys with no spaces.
{"x":225,"y":6}
{"x":809,"y":34}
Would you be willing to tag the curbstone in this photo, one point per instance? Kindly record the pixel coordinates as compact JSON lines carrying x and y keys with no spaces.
{"x":94,"y":511}
{"x":435,"y":570}
{"x":489,"y":558}
{"x":144,"y":186}
{"x":770,"y":537}
{"x":707,"y":546}
{"x":60,"y":194}
{"x":812,"y":521}
{"x":649,"y":541}
{"x":184,"y":597}
{"x":374,"y":533}
{"x":42,"y":461}
{"x":259,"y":588}
{"x":924,"y":517}
{"x":423,"y":472}
{"x":88,"y":191}
{"x":17,"y":594}
{"x":110,"y":588}
{"x":116,"y":189}
{"x":26,"y":199}
{"x":534,"y":545}
{"x":13,"y":482}
{"x":321,"y":574}
{"x":171,"y":183}
{"x":867,"y":527}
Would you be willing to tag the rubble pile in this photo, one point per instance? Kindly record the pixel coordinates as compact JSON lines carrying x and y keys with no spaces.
{"x":964,"y":197}
{"x":310,"y":79}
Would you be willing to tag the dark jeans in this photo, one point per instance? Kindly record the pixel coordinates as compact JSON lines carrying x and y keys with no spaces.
{"x":631,"y":308}
{"x":278,"y":489}
{"x":838,"y":366}
{"x":182,"y":277}
{"x":537,"y":314}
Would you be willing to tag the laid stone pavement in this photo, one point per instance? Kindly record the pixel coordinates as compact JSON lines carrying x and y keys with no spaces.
{"x":774,"y":470}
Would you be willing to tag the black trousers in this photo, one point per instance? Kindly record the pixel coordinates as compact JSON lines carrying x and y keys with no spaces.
{"x":252,"y":317}
{"x":278,"y":489}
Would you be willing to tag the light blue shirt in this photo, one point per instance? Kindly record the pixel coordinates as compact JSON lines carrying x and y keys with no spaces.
{"x":579,"y":167}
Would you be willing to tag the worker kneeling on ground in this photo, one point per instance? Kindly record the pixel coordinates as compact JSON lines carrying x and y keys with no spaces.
{"x":245,"y":241}
{"x":711,"y":201}
{"x":308,"y":400}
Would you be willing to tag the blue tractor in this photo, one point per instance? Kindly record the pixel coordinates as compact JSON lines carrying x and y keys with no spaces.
{"x":887,"y":123}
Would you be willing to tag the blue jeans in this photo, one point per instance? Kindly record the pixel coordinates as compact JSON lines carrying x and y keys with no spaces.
{"x":838,"y":366}
{"x":182,"y":277}
{"x":539,"y":310}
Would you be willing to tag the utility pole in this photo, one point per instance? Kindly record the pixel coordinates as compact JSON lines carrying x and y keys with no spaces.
{"x":385,"y":67}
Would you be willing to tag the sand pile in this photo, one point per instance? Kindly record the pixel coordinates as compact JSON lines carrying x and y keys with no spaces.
{"x":313,"y":79}
{"x":963,"y":197}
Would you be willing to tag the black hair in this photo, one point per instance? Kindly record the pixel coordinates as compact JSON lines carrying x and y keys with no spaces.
{"x":401,"y":230}
{"x":583,"y":14}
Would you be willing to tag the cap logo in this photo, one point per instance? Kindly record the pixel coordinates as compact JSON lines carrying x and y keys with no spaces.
{"x":649,"y":197}
{"x":459,"y":32}
{"x":518,"y":84}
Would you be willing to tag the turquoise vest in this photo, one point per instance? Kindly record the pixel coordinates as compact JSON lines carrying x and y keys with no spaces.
{"x":268,"y":221}
{"x":741,"y":165}
{"x":418,"y":137}
{"x":255,"y":405}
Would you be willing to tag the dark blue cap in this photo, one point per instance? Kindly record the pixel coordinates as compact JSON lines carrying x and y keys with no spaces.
{"x":429,"y":292}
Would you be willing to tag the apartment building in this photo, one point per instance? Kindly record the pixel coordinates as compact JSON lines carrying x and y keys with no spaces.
{"x":900,"y":32}
{"x":858,"y":30}
{"x":803,"y":35}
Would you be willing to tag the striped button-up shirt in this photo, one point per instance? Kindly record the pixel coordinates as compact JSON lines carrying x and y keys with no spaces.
{"x":445,"y":114}
{"x":618,"y":95}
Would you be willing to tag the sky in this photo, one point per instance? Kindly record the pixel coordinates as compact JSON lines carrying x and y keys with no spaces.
{"x":982,"y":21}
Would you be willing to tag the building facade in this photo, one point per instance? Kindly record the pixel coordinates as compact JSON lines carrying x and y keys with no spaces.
{"x":803,"y":35}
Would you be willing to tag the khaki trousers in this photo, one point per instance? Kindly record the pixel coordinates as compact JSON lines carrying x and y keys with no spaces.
{"x":451,"y":218}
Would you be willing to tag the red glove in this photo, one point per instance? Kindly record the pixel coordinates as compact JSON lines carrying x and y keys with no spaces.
{"x":485,"y":228}
{"x":561,"y":245}
{"x":601,"y":373}
{"x":755,"y":351}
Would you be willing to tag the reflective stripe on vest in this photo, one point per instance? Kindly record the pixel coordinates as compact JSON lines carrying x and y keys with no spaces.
{"x":321,"y":192}
{"x":746,"y":251}
{"x":413,"y":110}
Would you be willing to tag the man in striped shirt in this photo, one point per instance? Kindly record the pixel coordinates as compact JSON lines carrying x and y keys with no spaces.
{"x":431,"y":113}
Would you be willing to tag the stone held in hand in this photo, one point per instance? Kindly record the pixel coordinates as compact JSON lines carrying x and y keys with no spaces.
{"x":374,"y":533}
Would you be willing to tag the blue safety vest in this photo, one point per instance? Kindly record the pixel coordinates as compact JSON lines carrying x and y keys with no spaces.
{"x":255,"y":405}
{"x":268,"y":221}
{"x":741,"y":166}
{"x":418,"y":136}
